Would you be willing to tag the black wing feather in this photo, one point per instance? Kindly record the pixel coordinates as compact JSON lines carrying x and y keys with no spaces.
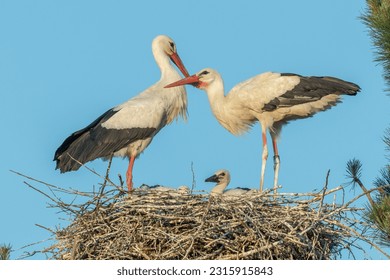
{"x":96,"y":141}
{"x":311,"y":89}
{"x":75,"y":135}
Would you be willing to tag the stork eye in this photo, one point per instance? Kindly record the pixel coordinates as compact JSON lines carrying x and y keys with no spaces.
{"x":222,"y":174}
{"x":172,"y":44}
{"x":205,"y":72}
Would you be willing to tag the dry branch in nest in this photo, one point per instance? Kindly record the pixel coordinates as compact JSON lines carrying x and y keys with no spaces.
{"x":110,"y":224}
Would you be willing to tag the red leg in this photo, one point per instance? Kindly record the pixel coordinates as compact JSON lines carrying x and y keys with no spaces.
{"x":274,"y":144}
{"x":276,"y":161}
{"x":129,"y":174}
{"x":264,"y":159}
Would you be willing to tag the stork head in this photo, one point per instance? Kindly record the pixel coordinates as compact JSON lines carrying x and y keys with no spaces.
{"x":222,"y":178}
{"x":219,"y":177}
{"x":201,"y":80}
{"x":167,"y":45}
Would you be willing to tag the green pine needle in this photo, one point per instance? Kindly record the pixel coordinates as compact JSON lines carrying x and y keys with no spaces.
{"x":377,"y":18}
{"x":354,"y":171}
{"x":5,"y":252}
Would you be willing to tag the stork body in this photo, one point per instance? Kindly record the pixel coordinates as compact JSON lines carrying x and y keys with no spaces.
{"x":273,"y":99}
{"x":127,"y":129}
{"x":222,"y":178}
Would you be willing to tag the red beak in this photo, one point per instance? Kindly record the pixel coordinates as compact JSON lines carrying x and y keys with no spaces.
{"x":176,"y":59}
{"x":191,"y":80}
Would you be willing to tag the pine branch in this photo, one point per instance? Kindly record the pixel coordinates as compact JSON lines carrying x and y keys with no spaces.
{"x":5,"y":251}
{"x":377,"y":19}
{"x":354,"y":172}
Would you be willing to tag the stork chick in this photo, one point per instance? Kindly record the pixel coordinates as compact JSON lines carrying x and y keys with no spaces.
{"x":222,"y":178}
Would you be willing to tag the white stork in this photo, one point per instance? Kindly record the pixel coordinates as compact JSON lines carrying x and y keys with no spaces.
{"x":222,"y":178}
{"x":127,"y":129}
{"x":273,"y":99}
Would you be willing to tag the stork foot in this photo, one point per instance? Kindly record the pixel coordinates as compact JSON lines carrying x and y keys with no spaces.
{"x":275,"y":188}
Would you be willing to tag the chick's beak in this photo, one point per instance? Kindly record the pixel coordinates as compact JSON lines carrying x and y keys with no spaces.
{"x":213,"y":178}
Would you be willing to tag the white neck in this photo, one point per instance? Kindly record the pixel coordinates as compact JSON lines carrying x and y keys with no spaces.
{"x":168,"y":71}
{"x":227,"y":109}
{"x":222,"y":108}
{"x":218,"y":189}
{"x":217,"y":99}
{"x":169,"y":74}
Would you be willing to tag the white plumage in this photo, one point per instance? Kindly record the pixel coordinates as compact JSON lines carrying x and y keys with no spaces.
{"x":127,"y":129}
{"x":273,"y":99}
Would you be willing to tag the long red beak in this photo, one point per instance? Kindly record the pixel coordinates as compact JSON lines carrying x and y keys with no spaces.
{"x":191,"y":80}
{"x":177,"y":60}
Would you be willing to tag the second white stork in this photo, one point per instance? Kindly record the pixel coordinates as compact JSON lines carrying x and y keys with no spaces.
{"x":127,"y":129}
{"x":273,"y":99}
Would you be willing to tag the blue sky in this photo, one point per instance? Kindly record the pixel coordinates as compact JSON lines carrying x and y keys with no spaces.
{"x":63,"y":63}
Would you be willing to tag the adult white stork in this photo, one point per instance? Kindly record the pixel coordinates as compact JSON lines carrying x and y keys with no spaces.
{"x":127,"y":129}
{"x":273,"y":99}
{"x":222,"y":178}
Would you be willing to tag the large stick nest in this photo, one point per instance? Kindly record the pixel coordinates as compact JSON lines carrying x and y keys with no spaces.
{"x":158,"y":225}
{"x":112,"y":224}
